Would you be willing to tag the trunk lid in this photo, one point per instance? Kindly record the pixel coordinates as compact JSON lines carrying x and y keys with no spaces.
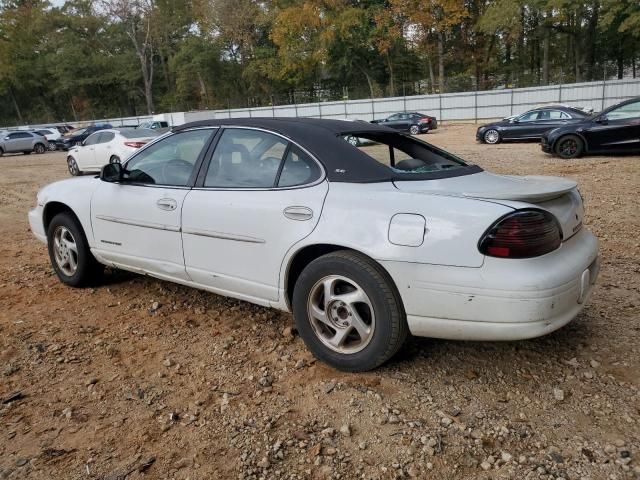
{"x":559,"y":196}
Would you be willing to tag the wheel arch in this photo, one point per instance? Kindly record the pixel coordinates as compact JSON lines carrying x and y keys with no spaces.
{"x":309,"y":253}
{"x":51,"y":209}
{"x":577,"y":134}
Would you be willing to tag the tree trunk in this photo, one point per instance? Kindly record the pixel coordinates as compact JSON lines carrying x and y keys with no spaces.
{"x":441,"y":62}
{"x":15,"y":104}
{"x":507,"y":62}
{"x":620,"y":59}
{"x":392,"y":86}
{"x":545,"y":57}
{"x":431,"y":75}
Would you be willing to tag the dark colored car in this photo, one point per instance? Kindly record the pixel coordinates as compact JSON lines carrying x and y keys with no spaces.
{"x":413,"y":122}
{"x":79,"y":136}
{"x":530,"y":125}
{"x":614,"y":130}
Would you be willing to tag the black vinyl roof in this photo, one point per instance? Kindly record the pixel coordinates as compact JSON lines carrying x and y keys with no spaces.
{"x":322,"y":138}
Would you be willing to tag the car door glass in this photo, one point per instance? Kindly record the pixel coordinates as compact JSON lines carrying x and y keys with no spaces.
{"x":393,"y":118}
{"x":631,"y":110}
{"x":246,"y":159}
{"x":298,"y":169}
{"x":170,"y":161}
{"x":528,"y":117}
{"x":106,"y":137}
{"x":92,"y":139}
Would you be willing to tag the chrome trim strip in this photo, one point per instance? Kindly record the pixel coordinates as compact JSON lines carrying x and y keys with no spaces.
{"x":222,"y":236}
{"x":138,"y":223}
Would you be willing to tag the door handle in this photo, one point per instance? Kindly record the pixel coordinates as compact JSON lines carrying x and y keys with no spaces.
{"x":298,"y":213}
{"x":167,"y":204}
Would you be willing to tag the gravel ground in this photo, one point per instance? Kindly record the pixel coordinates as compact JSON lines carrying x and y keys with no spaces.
{"x":143,"y":378}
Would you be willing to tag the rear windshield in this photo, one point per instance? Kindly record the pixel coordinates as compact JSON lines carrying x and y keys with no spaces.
{"x":138,"y":133}
{"x":404,"y":154}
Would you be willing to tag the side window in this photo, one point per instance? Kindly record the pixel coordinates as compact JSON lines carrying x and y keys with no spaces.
{"x":631,"y":110}
{"x":106,"y":137}
{"x":170,"y":161}
{"x":558,"y":115}
{"x":529,"y":117}
{"x":20,"y":135}
{"x":92,"y":139}
{"x":394,"y":117}
{"x":246,"y":159}
{"x":298,"y":169}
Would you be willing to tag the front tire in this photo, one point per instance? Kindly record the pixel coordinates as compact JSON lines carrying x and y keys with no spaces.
{"x":72,"y":165}
{"x":69,"y":252}
{"x":569,"y":146}
{"x":348,"y":311}
{"x":491,"y":136}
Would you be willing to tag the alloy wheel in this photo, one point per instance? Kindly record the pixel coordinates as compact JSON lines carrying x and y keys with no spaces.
{"x":414,"y":130}
{"x":73,"y":166}
{"x":65,"y":251}
{"x":341,"y":314}
{"x":491,"y":136}
{"x":568,"y":147}
{"x":114,"y":159}
{"x":39,"y":148}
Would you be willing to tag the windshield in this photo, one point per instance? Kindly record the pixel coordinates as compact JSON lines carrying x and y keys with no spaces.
{"x":404,"y":154}
{"x":79,"y":132}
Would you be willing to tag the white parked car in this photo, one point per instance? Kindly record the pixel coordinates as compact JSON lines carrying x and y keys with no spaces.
{"x":51,"y":134}
{"x":106,"y":146}
{"x":363,"y":244}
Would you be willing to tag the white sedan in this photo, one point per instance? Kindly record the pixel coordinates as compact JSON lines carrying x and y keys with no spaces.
{"x":106,"y":146}
{"x":363,"y":244}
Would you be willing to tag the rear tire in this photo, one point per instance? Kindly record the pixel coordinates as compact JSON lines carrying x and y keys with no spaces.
{"x":114,"y":159}
{"x":69,"y":252}
{"x":414,"y":129}
{"x":362,"y":324}
{"x":72,"y":165}
{"x":39,"y":148}
{"x":569,"y":146}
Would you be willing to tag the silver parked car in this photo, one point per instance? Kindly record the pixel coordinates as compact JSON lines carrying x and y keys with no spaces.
{"x":21,"y":141}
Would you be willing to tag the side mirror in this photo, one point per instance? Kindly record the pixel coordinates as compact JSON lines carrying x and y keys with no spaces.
{"x":602,"y":119}
{"x":112,"y":173}
{"x":7,"y":138}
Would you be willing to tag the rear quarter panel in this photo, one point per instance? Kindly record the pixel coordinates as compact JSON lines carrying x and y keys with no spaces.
{"x":357,"y":216}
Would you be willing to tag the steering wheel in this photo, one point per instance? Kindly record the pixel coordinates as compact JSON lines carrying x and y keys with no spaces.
{"x":176,"y":168}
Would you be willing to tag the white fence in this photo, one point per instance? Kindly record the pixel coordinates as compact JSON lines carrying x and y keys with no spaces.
{"x":467,"y":106}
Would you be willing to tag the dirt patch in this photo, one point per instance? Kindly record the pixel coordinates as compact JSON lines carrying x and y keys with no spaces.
{"x":96,"y":384}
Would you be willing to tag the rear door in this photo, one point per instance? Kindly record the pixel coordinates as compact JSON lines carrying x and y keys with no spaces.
{"x":618,"y":130}
{"x":259,"y":195}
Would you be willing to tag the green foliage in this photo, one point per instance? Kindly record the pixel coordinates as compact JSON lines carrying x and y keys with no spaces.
{"x":85,"y":59}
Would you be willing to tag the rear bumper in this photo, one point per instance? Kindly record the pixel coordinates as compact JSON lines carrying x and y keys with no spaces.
{"x":505,"y":299}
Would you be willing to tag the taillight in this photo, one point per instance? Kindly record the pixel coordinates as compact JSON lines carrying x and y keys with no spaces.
{"x":522,"y":234}
{"x":135,"y":144}
{"x":425,"y":120}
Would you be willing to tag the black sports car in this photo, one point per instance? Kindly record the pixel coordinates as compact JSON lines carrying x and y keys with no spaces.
{"x":413,"y":122}
{"x":530,"y":125}
{"x":616,"y":129}
{"x":78,"y":136}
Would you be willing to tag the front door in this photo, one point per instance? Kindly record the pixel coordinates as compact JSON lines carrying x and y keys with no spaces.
{"x":617,"y":130}
{"x":136,"y":223}
{"x":19,"y":142}
{"x":260,"y":195}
